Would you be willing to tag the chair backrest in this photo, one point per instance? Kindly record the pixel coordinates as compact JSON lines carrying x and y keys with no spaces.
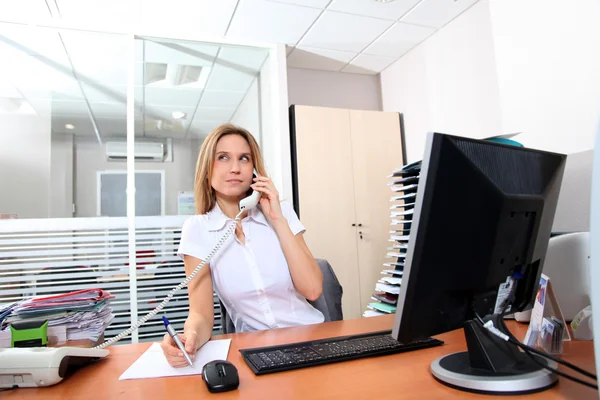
{"x":329,"y":303}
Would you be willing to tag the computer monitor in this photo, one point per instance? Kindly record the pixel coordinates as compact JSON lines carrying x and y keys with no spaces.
{"x":481,"y":225}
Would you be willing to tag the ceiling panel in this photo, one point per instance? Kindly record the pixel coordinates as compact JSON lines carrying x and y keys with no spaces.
{"x":98,"y":93}
{"x":344,"y":32}
{"x":18,"y":10}
{"x":199,"y":16}
{"x":82,"y":125}
{"x":113,"y":13}
{"x":183,"y":53}
{"x":8,"y":90}
{"x":70,"y":91}
{"x":30,"y":40}
{"x":165,"y":112}
{"x":437,"y":13}
{"x":398,"y":40}
{"x":365,"y":64}
{"x":108,"y":110}
{"x":107,"y":66}
{"x":69,"y":108}
{"x":218,"y":98}
{"x":270,"y":22}
{"x":306,"y":3}
{"x":370,"y":8}
{"x":42,"y":107}
{"x":201,"y":128}
{"x":112,"y":126}
{"x":171,"y":96}
{"x":243,"y":58}
{"x":328,"y":60}
{"x":214,"y":114}
{"x":228,"y":79}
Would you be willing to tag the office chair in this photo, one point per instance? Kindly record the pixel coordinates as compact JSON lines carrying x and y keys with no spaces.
{"x":329,"y":303}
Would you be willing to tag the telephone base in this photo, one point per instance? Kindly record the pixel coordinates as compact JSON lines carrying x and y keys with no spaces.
{"x":42,"y":366}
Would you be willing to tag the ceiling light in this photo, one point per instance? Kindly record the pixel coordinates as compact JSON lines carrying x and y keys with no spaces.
{"x":178,"y":114}
{"x":69,"y":126}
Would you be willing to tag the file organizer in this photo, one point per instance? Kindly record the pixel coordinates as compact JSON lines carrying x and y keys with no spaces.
{"x":403,"y":183}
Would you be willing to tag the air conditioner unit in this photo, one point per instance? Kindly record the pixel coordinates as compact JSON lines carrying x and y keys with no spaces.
{"x":143,"y":151}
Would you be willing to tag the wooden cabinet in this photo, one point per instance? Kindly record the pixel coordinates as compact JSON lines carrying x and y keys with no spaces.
{"x":340,"y":161}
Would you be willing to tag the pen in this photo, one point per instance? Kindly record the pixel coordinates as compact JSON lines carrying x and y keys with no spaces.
{"x":177,"y":340}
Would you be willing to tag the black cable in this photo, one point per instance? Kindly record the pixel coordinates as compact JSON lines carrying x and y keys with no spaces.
{"x":10,"y":388}
{"x":514,"y":340}
{"x":541,"y":353}
{"x":557,"y":372}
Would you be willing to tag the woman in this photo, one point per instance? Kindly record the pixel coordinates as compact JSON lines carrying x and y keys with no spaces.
{"x":264,"y":273}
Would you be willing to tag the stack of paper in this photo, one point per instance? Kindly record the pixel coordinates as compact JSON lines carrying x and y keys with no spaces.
{"x":403,"y":183}
{"x":85,"y":314}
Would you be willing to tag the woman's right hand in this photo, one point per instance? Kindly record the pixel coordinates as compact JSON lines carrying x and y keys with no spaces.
{"x":173,"y":354}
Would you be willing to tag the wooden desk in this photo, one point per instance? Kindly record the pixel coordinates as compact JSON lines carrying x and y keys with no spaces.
{"x":400,"y":376}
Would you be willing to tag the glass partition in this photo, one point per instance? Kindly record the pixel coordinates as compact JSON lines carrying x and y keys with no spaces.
{"x":64,"y":223}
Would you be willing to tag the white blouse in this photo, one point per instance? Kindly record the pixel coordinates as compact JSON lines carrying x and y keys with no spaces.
{"x":253,"y":280}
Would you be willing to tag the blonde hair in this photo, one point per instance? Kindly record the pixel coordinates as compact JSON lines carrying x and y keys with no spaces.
{"x":204,"y":194}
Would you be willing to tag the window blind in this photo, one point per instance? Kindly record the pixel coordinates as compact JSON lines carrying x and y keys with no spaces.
{"x":41,"y":257}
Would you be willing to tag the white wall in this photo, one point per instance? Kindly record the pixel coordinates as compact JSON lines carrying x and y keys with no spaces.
{"x":247,"y":114}
{"x":504,"y":66}
{"x":448,"y":83}
{"x":548,"y":63}
{"x":90,"y":158}
{"x":333,"y":89}
{"x":24,"y":165}
{"x":573,"y":207}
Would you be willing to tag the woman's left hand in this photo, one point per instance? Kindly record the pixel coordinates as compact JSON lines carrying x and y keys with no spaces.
{"x":269,"y":200}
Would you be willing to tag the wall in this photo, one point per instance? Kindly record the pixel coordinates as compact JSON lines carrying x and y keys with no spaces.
{"x":573,"y":208}
{"x":247,"y":114}
{"x":333,"y":89}
{"x":24,"y":165}
{"x":61,"y":176}
{"x":548,"y":64}
{"x":448,"y":83}
{"x":90,"y":158}
{"x":504,"y":66}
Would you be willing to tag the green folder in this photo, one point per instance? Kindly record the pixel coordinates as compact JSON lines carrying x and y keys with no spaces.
{"x":386,"y":308}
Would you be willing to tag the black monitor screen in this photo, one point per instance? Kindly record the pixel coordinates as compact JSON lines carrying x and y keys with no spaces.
{"x":481,"y":226}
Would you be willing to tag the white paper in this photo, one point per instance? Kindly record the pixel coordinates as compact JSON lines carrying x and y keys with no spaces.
{"x":391,"y":280}
{"x":403,"y":188}
{"x":396,"y":238}
{"x":391,"y":272}
{"x":394,"y":206}
{"x":401,"y":213}
{"x":406,"y":196}
{"x":401,"y":179}
{"x":396,"y":254}
{"x":372,"y":313}
{"x":383,"y":287}
{"x":153,"y":364}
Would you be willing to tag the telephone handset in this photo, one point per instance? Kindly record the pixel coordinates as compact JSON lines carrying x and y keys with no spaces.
{"x":252,"y":200}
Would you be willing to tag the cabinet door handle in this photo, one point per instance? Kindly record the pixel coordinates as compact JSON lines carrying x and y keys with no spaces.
{"x":353,"y":224}
{"x":360,"y":234}
{"x":359,"y":224}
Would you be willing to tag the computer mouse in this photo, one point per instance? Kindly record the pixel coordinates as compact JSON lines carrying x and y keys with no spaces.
{"x":220,"y":376}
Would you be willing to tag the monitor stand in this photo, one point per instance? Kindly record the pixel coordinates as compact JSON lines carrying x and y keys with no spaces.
{"x":492,"y":365}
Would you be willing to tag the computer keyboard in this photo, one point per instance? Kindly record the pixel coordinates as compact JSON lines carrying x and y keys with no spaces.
{"x":266,"y":360}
